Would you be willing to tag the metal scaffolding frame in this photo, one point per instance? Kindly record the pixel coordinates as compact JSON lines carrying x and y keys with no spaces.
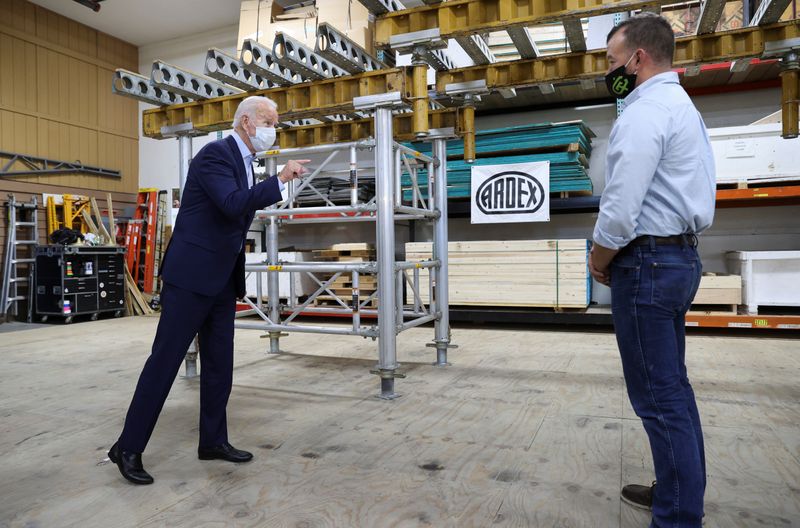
{"x":391,"y":161}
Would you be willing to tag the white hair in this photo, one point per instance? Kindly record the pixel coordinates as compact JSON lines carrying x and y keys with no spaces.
{"x":249,"y":106}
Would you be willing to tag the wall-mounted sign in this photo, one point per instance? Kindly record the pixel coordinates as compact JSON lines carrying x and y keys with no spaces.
{"x":511,"y":193}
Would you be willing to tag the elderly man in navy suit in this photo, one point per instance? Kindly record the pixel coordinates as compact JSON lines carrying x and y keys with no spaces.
{"x":203,"y":275}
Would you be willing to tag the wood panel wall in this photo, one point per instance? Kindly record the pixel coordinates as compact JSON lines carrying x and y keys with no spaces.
{"x":56,"y":102}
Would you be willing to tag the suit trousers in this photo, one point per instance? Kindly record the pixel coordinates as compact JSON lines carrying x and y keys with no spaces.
{"x":185,"y":314}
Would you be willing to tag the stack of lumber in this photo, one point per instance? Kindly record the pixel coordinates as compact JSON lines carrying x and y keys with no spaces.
{"x":718,"y":293}
{"x":518,"y":273}
{"x":567,"y":146}
{"x":343,"y":286}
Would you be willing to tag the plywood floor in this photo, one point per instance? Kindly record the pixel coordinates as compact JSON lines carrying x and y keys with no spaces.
{"x":525,"y":429}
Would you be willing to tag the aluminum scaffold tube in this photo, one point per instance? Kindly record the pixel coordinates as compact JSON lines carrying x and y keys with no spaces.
{"x":440,"y":246}
{"x":384,"y":186}
{"x":385,"y":211}
{"x":272,"y":275}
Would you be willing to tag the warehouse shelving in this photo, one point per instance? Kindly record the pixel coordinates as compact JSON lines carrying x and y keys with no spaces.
{"x":756,"y":47}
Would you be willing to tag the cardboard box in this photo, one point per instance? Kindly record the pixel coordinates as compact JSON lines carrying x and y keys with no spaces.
{"x":261,"y":19}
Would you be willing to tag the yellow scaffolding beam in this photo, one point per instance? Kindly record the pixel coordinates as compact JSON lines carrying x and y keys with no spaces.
{"x":472,"y":17}
{"x":334,"y":96}
{"x":715,"y":47}
{"x":298,"y":101}
{"x":403,"y":126}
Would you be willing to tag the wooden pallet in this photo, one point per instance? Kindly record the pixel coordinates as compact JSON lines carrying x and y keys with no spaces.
{"x":353,"y":252}
{"x":343,"y":285}
{"x":346,"y":281}
{"x":714,"y":309}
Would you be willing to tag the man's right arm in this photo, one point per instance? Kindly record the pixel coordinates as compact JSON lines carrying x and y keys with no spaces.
{"x":633,"y":156}
{"x":217,"y":177}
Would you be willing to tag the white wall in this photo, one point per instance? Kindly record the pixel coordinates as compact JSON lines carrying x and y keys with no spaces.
{"x":158,"y":158}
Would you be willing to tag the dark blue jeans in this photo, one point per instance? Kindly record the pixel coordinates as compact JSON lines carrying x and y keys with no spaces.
{"x":652,"y":287}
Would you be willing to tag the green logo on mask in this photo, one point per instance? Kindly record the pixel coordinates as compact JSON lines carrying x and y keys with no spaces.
{"x":620,"y":85}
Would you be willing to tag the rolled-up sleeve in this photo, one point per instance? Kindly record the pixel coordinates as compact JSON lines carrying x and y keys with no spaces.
{"x":635,"y":148}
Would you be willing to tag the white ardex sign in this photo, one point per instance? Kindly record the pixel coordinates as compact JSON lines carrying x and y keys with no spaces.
{"x":511,"y":193}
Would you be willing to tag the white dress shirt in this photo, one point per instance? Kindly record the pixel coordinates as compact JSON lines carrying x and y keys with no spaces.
{"x":660,"y":175}
{"x":248,"y":158}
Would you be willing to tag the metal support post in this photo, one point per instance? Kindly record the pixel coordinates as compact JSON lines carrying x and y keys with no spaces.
{"x":353,"y":176}
{"x":789,"y":53}
{"x":184,"y":159}
{"x":467,"y":130}
{"x":384,"y":185}
{"x":398,"y":172}
{"x":356,"y":301}
{"x":385,"y":237}
{"x":272,"y":276}
{"x":419,"y":94}
{"x":440,"y":247}
{"x":184,"y":132}
{"x":790,"y":95}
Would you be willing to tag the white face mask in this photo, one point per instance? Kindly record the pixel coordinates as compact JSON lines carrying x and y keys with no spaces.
{"x":264,"y":138}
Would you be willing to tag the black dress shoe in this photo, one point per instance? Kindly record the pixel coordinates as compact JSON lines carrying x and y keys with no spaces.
{"x":224,"y":452}
{"x":130,"y":465}
{"x":638,"y":496}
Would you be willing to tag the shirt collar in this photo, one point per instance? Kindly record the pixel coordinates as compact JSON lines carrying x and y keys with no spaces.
{"x":661,"y":78}
{"x":246,"y":154}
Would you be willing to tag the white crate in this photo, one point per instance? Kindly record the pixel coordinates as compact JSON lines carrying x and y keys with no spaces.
{"x":769,"y":278}
{"x":302,"y":283}
{"x":754,"y":153}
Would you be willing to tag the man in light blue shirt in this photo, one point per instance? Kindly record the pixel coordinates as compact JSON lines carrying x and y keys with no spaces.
{"x":659,"y":194}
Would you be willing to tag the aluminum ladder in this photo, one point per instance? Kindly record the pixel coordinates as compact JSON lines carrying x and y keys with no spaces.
{"x":23,"y":225}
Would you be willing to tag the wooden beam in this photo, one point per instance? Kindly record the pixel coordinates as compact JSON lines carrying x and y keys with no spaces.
{"x":334,"y":96}
{"x":473,"y":17}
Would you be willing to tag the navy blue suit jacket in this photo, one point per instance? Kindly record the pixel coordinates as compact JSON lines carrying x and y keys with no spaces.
{"x":217,"y":208}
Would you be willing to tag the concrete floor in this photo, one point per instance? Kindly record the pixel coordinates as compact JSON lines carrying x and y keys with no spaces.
{"x":525,"y":429}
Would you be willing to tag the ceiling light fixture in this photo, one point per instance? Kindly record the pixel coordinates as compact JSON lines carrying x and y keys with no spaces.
{"x":94,"y":5}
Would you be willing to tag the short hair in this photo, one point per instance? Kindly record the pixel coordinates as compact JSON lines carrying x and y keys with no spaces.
{"x":650,"y":32}
{"x":248,"y":107}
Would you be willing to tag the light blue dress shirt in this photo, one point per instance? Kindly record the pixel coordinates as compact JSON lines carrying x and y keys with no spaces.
{"x":660,"y":176}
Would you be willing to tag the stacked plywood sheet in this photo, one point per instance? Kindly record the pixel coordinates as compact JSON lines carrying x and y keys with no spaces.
{"x":567,"y":146}
{"x":523,"y":273}
{"x":343,"y":286}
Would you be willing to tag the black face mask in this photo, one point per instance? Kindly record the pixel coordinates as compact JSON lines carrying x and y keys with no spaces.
{"x":619,"y":82}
